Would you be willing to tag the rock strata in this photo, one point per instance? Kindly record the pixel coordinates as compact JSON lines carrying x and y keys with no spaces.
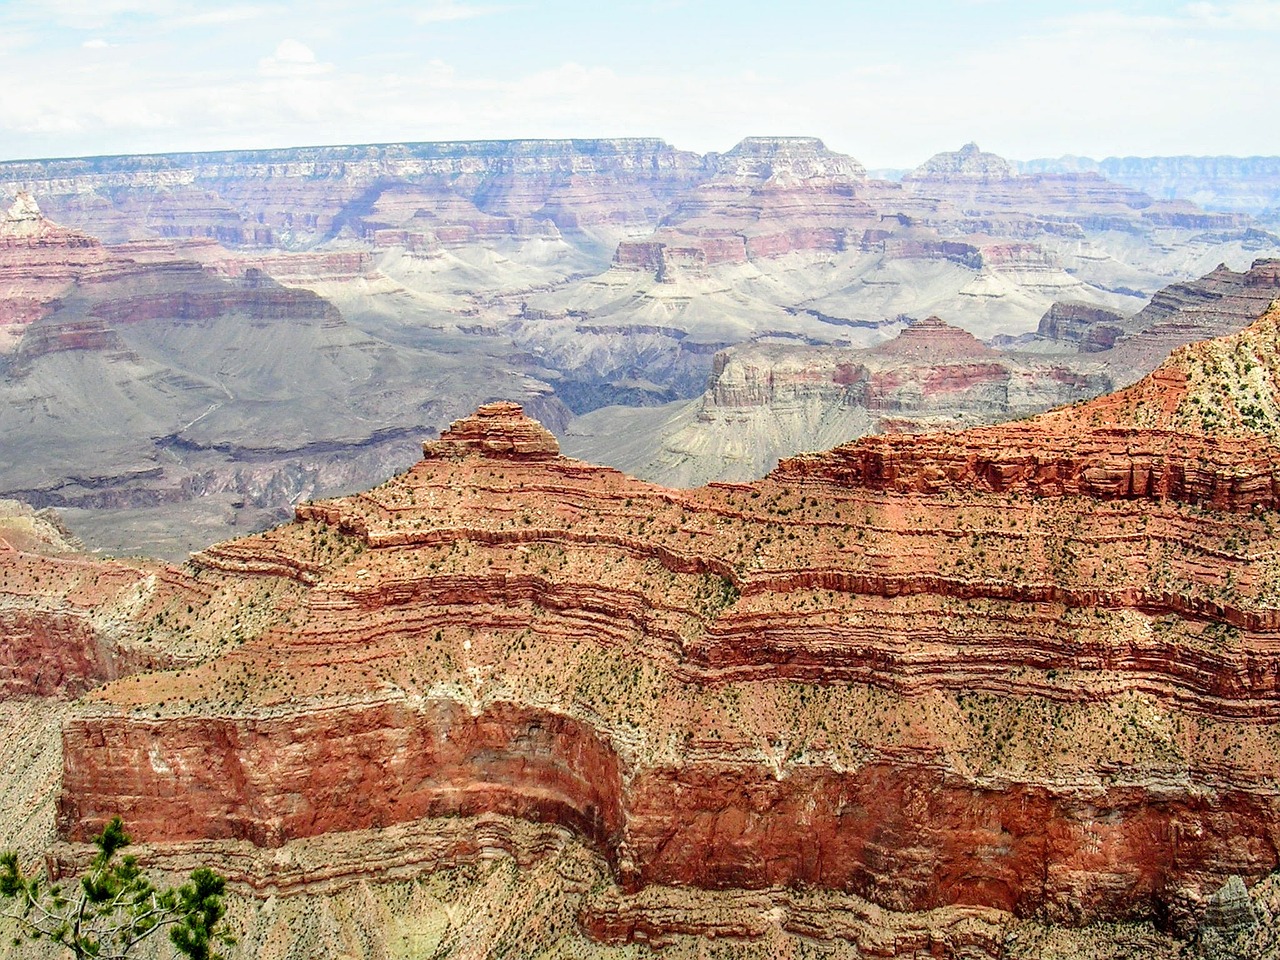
{"x":1045,"y":692}
{"x":495,"y":430}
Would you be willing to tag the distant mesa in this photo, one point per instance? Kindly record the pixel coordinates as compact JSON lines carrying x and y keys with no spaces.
{"x":802,"y":157}
{"x":934,"y":339}
{"x":967,"y":163}
{"x":772,"y":147}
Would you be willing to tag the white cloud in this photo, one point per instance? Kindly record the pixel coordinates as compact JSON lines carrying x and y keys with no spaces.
{"x":1196,"y":78}
{"x":292,"y":58}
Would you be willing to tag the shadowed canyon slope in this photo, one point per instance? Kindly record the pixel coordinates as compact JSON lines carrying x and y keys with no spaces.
{"x":1022,"y":673}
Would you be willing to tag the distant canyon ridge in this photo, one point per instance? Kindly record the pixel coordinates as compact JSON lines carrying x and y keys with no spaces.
{"x":192,"y":343}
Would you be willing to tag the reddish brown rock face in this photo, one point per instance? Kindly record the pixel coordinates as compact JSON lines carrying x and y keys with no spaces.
{"x":913,"y":686}
{"x":495,"y":430}
{"x":300,"y":776}
{"x":39,"y":261}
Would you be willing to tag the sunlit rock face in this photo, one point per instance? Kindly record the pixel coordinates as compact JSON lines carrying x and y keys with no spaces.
{"x":1025,"y":668}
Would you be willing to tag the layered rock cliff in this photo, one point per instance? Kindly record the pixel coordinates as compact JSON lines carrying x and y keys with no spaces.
{"x":1028,"y":670}
{"x":765,"y":401}
{"x":39,"y":261}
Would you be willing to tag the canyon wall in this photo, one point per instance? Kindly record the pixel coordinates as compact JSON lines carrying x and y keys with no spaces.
{"x":1050,"y":700}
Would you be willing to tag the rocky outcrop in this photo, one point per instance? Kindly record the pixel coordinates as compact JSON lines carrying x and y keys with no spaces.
{"x":770,"y":196}
{"x":1091,"y":328}
{"x":1215,"y":305}
{"x":932,"y":684}
{"x":766,"y":401}
{"x":58,"y":611}
{"x":1191,"y":431}
{"x":495,"y":430}
{"x":39,"y":262}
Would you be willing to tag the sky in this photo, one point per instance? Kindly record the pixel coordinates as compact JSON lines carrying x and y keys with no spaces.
{"x":889,"y":81}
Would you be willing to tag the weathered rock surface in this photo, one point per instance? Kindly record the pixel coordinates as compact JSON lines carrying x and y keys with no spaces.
{"x":766,"y":401}
{"x":499,"y":430}
{"x":39,"y":261}
{"x":996,"y":670}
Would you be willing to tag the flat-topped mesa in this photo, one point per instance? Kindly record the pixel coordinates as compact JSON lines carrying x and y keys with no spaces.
{"x":800,"y":157}
{"x":498,"y":430}
{"x":967,"y":163}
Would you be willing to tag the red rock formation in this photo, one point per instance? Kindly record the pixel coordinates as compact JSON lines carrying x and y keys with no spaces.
{"x":56,"y":609}
{"x":770,"y":196}
{"x":1090,"y":327}
{"x":1187,"y":433}
{"x":495,"y":430}
{"x":873,"y":673}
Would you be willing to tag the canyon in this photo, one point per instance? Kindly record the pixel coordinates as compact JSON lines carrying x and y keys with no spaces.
{"x":1236,"y":184}
{"x":958,"y":692}
{"x":192,"y":343}
{"x":613,"y":665}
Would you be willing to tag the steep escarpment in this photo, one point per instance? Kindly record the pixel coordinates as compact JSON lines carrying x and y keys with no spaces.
{"x":185,"y":394}
{"x":295,"y":197}
{"x":1053,"y":702}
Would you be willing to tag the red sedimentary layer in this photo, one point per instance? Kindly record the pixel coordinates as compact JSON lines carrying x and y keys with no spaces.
{"x":876,"y":671}
{"x":53,"y":645}
{"x":1108,"y":464}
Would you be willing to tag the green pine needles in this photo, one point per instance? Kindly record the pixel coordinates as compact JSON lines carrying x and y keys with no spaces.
{"x":114,"y":907}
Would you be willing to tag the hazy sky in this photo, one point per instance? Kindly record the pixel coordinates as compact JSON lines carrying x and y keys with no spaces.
{"x":890,"y":82}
